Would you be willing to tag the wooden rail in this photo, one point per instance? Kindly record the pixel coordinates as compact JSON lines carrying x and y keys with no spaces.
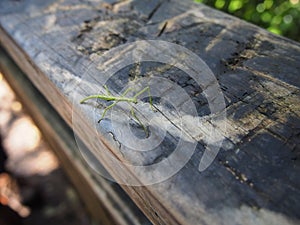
{"x":254,"y":179}
{"x":106,"y":202}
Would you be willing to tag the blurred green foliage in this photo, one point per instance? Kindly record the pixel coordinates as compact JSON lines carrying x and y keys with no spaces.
{"x":278,"y":16}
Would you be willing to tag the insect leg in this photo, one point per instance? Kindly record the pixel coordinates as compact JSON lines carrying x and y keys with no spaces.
{"x":137,"y":119}
{"x":150,"y":100}
{"x":112,"y":105}
{"x":106,"y":109}
{"x":149,"y":95}
{"x":107,"y":91}
{"x":140,"y":92}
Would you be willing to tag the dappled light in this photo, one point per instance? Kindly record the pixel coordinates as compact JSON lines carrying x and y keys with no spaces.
{"x":27,"y":152}
{"x":31,"y":171}
{"x":278,"y":16}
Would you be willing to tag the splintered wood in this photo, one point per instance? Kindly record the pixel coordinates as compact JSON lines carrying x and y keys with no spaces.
{"x":254,"y":179}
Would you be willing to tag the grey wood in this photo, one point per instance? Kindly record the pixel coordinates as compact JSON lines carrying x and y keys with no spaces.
{"x":254,"y":179}
{"x":106,"y":201}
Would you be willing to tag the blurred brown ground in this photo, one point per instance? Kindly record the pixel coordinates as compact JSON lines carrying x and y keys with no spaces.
{"x":33,"y":189}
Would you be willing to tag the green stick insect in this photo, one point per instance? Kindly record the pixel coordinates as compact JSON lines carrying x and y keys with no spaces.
{"x":122,"y":98}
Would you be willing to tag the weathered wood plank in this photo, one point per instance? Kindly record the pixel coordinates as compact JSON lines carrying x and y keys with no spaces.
{"x":106,"y":201}
{"x":254,"y":178}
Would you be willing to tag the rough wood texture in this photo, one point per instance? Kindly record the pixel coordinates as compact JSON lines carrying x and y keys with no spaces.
{"x":106,"y":201}
{"x":255,"y":177}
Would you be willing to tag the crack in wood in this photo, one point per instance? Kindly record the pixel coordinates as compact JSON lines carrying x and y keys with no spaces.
{"x":273,"y":107}
{"x":162,"y":29}
{"x":154,"y":10}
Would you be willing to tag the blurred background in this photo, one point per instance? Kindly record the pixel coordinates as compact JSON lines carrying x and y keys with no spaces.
{"x":33,"y":188}
{"x":278,"y":16}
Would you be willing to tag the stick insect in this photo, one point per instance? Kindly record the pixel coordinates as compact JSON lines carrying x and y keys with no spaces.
{"x":122,"y":98}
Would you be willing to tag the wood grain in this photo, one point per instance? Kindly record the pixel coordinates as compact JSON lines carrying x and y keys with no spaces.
{"x":254,"y":179}
{"x":106,"y":202}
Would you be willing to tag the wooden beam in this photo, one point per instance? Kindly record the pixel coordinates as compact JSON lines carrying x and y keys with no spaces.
{"x":106,"y":202}
{"x":57,"y":42}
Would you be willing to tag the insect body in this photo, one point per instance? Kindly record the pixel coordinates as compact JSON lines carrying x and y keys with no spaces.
{"x":122,"y":98}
